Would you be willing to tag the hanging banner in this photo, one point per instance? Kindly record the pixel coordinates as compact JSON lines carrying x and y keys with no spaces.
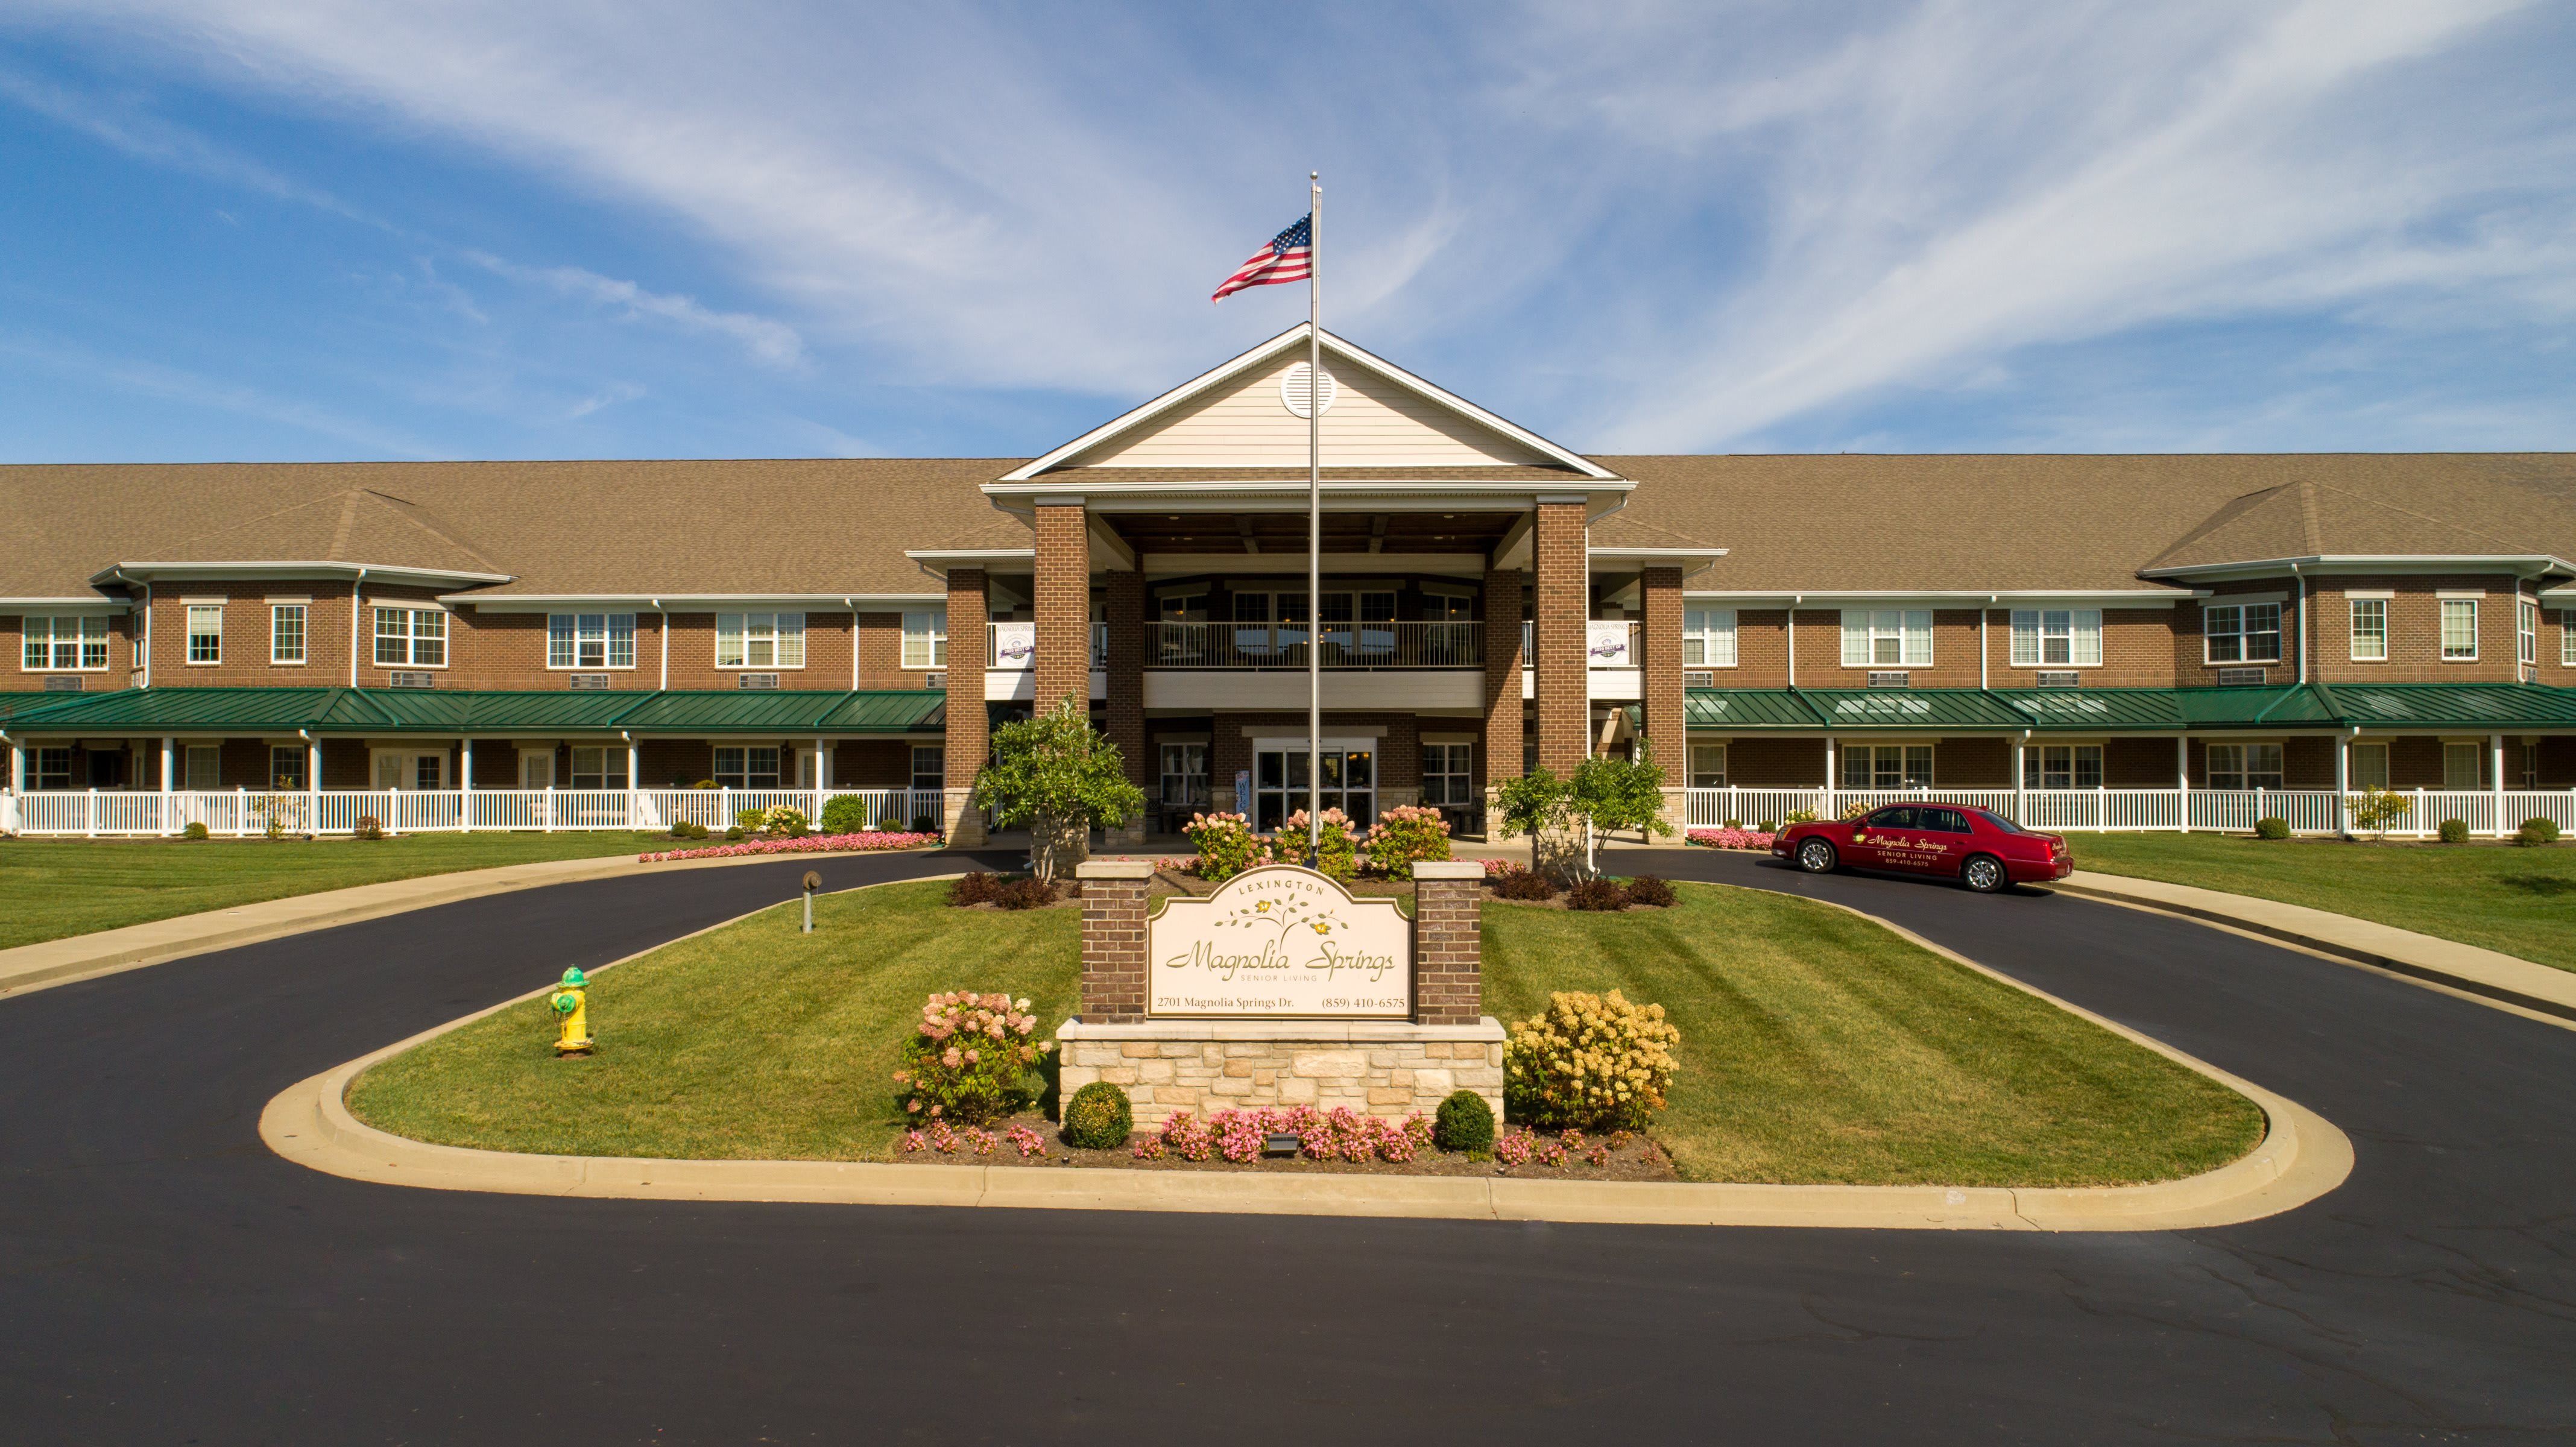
{"x":1280,"y":942}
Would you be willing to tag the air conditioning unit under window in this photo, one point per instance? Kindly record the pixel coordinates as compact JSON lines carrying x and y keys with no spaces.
{"x":934,"y":680}
{"x":586,"y":682}
{"x":2240,"y":678}
{"x":411,"y":680}
{"x":1699,"y":678}
{"x":1891,"y":680}
{"x":756,"y":680}
{"x":62,"y":683}
{"x":2061,"y":680}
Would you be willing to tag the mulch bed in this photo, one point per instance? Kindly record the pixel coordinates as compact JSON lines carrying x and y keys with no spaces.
{"x":1639,"y":1160}
{"x":1165,"y":883}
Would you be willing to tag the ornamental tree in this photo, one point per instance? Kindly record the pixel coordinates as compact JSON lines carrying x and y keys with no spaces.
{"x":1605,"y":793}
{"x":1061,"y":777}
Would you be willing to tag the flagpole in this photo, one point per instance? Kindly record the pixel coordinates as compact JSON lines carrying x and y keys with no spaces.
{"x":1315,"y":520}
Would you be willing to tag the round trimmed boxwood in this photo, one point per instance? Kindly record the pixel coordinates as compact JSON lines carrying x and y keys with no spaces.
{"x":2275,"y":828}
{"x":2540,"y":829}
{"x":1465,"y":1123}
{"x":196,"y":830}
{"x":1098,"y":1117}
{"x":2455,"y":831}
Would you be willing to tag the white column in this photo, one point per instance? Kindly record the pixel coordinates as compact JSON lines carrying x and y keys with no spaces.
{"x":2182,"y":778}
{"x":465,"y":785}
{"x":823,"y":760}
{"x":17,"y":768}
{"x":2343,"y":781}
{"x":313,"y":785}
{"x":634,"y":781}
{"x":169,"y":784}
{"x":2496,"y":752}
{"x":2021,"y":806}
{"x":1833,"y":771}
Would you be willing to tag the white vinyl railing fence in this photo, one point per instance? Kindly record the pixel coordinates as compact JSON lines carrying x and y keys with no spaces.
{"x":2308,"y":811}
{"x":241,"y":813}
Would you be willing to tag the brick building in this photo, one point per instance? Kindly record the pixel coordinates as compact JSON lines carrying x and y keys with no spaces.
{"x":1490,"y":601}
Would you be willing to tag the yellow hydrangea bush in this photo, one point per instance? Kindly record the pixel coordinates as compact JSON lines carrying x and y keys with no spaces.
{"x":1595,"y":1062}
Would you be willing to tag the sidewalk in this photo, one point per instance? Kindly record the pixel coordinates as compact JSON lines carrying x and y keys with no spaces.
{"x":2467,"y":968}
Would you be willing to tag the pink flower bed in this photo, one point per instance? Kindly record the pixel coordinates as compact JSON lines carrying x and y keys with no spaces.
{"x":1731,"y":838}
{"x":810,"y":844}
{"x":1337,"y":1134}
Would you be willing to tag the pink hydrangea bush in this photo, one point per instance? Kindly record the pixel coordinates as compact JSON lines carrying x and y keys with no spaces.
{"x":1498,"y":868}
{"x":1731,"y":839}
{"x":867,"y":840}
{"x":969,"y":1058}
{"x":1226,"y":845}
{"x":1404,"y":836}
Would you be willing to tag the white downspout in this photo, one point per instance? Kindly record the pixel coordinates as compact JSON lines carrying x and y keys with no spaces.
{"x":1794,"y":600}
{"x":2302,"y":580}
{"x":853,"y":605}
{"x":356,"y":586}
{"x":1986,"y":649}
{"x":665,"y":630}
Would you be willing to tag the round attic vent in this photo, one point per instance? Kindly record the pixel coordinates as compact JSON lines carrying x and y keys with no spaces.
{"x":1293,"y":388}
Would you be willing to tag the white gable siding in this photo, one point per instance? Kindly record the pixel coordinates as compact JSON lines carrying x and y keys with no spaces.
{"x":1372,"y":423}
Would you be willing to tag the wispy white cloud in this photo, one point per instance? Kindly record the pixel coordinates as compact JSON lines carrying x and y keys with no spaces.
{"x":771,"y":341}
{"x":165,"y":383}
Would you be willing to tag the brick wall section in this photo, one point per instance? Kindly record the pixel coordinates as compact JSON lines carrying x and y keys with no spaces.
{"x":1500,"y":759}
{"x":1113,"y":942}
{"x":1560,"y":608}
{"x":1448,"y":946}
{"x":2137,"y":651}
{"x":2556,"y":624}
{"x":1761,"y":650}
{"x":1661,"y":660}
{"x":2138,"y":763}
{"x":1972,"y":763}
{"x":2415,"y":632}
{"x":969,"y":731}
{"x":122,"y":657}
{"x":1124,"y":602}
{"x":1063,"y":587}
{"x":1766,"y":762}
{"x":246,"y":636}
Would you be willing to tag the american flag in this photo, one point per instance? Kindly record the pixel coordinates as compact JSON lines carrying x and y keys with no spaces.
{"x":1290,"y":256}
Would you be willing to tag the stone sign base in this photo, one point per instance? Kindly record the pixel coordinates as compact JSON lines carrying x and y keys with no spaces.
{"x":1387,"y":1068}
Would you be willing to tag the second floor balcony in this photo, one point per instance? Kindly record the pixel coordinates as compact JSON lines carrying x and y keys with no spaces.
{"x":1410,"y":645}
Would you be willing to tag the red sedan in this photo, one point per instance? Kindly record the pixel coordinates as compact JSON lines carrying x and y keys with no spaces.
{"x":1982,"y":850}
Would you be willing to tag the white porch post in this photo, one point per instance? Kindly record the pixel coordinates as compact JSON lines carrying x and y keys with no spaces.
{"x":2343,"y":782}
{"x":2021,"y":806}
{"x":822,"y":779}
{"x":313,"y":785}
{"x":169,"y":783}
{"x":2496,"y":783}
{"x":2182,"y":779}
{"x":634,"y":780}
{"x":1833,"y":770}
{"x":465,"y":785}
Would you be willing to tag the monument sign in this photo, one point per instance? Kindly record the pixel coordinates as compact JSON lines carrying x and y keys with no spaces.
{"x":1279,"y":943}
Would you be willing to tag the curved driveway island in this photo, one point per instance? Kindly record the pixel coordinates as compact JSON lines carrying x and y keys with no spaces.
{"x":165,"y":1278}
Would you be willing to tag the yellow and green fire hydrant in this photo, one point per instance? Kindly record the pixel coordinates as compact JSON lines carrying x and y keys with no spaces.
{"x":572,"y":1008}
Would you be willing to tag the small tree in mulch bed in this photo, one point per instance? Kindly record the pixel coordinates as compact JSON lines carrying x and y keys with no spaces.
{"x":1061,"y":777}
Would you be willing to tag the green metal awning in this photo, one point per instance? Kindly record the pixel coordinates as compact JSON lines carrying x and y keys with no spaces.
{"x":450,"y":713}
{"x":2471,"y":707}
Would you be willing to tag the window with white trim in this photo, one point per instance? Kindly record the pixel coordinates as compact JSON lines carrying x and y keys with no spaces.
{"x":590,"y":640}
{"x":2056,"y":637}
{"x":2241,"y":632}
{"x":2244,"y":766}
{"x":2460,"y":767}
{"x":205,"y":633}
{"x":925,"y":638}
{"x":64,"y":644}
{"x":2061,"y":766}
{"x":1449,"y":775}
{"x":205,"y":767}
{"x":286,"y":633}
{"x":749,"y":767}
{"x":1708,"y":638}
{"x":2527,"y":632}
{"x":2370,"y":630}
{"x":760,"y":640}
{"x":411,"y":638}
{"x":2368,"y":767}
{"x":51,"y":768}
{"x":286,"y":767}
{"x":1887,"y":766}
{"x":2459,"y":630}
{"x":1708,"y":766}
{"x":2567,"y":637}
{"x":1887,"y":637}
{"x":930,"y":769}
{"x":603,"y":767}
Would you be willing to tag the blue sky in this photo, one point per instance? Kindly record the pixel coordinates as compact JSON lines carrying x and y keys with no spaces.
{"x":521,"y":229}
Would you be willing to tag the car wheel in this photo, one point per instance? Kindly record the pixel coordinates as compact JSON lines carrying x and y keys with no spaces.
{"x":1984,"y":873}
{"x":1816,"y":856}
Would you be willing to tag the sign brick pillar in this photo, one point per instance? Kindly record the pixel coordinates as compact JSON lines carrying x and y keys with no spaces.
{"x":1448,"y":942}
{"x":969,"y":732}
{"x":1113,"y":939}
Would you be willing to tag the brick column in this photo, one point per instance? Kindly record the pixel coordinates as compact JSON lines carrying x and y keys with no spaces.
{"x":969,"y":735}
{"x":1561,"y":605}
{"x":1448,"y":943}
{"x":1063,"y":664}
{"x":1113,"y":939}
{"x":1124,"y":602}
{"x":1503,"y":663}
{"x":1667,"y":722}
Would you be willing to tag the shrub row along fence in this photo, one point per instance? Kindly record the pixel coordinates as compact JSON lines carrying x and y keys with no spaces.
{"x":2308,"y":811}
{"x":244,"y":812}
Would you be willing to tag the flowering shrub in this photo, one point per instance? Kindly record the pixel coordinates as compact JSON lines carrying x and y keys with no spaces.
{"x":1029,"y":1141}
{"x":1732,"y":838}
{"x":1590,"y":1060}
{"x":1406,"y":835}
{"x":1226,"y":844}
{"x":810,"y":844}
{"x":1850,"y":812}
{"x":1188,"y":1139}
{"x":1149,"y":1149}
{"x":1190,"y":864}
{"x":1597,"y":1156}
{"x":1497,"y":868}
{"x":1799,"y":816}
{"x":1515,"y":1149}
{"x":969,"y":1058}
{"x":1339,"y":853}
{"x":1340,"y":1134}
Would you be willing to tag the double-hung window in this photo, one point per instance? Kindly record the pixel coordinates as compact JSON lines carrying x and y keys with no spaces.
{"x":2061,"y":766}
{"x":205,"y":633}
{"x":1708,"y":638}
{"x":1708,"y":766}
{"x":1183,"y":776}
{"x":1448,"y":774}
{"x":2461,"y":770}
{"x":929,"y":767}
{"x":2370,"y":630}
{"x":2244,"y":766}
{"x":2368,"y":766}
{"x":2242,"y":632}
{"x":925,"y":638}
{"x":747,"y":768}
{"x":2567,"y":637}
{"x":760,"y":640}
{"x":286,"y":767}
{"x":2459,"y":630}
{"x":205,"y":767}
{"x":64,"y":644}
{"x":1887,"y":637}
{"x":2527,"y":632}
{"x":1887,"y":766}
{"x":411,"y":638}
{"x":590,"y":640}
{"x":603,"y":767}
{"x":2056,"y":637}
{"x":286,"y":633}
{"x":52,"y":767}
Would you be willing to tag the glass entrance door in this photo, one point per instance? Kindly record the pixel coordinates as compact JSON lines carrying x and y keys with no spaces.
{"x":1279,"y":785}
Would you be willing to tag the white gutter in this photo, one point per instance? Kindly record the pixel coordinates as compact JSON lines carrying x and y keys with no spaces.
{"x":291,"y":568}
{"x":2410,"y":562}
{"x":2108,"y":597}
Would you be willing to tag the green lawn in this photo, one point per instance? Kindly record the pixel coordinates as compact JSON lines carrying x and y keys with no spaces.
{"x":1816,"y":1046}
{"x":61,"y":887}
{"x":2518,"y":901}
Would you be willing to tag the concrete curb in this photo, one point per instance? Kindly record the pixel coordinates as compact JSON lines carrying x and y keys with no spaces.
{"x":2468,"y":969}
{"x":2301,"y":1157}
{"x":81,"y":957}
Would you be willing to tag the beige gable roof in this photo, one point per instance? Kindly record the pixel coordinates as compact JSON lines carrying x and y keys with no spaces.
{"x":357,"y":525}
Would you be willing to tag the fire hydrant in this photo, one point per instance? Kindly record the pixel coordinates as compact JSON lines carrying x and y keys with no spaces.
{"x":571,"y":1006}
